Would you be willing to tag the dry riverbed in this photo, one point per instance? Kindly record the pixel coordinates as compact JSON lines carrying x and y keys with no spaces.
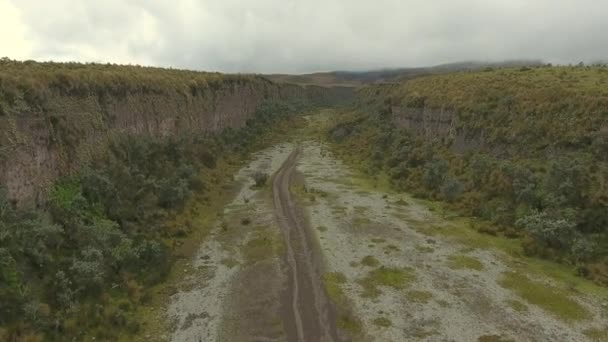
{"x":385,"y":267}
{"x":400,"y":281}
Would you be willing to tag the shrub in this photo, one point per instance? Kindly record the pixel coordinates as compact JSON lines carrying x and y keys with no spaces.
{"x":260,"y":178}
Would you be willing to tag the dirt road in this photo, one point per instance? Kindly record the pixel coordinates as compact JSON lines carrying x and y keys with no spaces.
{"x":309,"y":315}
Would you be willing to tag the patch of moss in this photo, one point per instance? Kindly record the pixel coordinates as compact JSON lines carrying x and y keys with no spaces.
{"x":424,"y":249}
{"x":597,"y":334}
{"x":333,"y":282}
{"x":547,"y":297}
{"x":517,"y":306}
{"x":383,"y":322}
{"x":459,"y":262}
{"x":493,"y":338}
{"x":401,"y":202}
{"x":261,"y":247}
{"x":378,"y":240}
{"x":422,"y":297}
{"x":322,"y":229}
{"x":229,"y":262}
{"x":349,"y":323}
{"x":396,"y":278}
{"x":361,"y":221}
{"x":392,"y":248}
{"x":370,"y":261}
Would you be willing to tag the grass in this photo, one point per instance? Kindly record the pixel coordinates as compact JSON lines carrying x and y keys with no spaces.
{"x":517,"y":305}
{"x":424,"y":249}
{"x":493,"y":338}
{"x":333,"y":286}
{"x":422,"y":297}
{"x":548,"y":298}
{"x":460,"y":262}
{"x":460,"y":230}
{"x":264,"y":245}
{"x":370,"y":261}
{"x":229,"y":262}
{"x":597,"y":334}
{"x":349,"y":323}
{"x":383,"y":322}
{"x":396,"y":278}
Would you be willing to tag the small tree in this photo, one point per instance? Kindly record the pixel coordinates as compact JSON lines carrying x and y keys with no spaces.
{"x":435,"y":173}
{"x":451,"y":189}
{"x":554,"y":232}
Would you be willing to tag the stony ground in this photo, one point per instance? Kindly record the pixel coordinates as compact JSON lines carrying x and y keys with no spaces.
{"x":390,"y":276}
{"x":445,"y":291}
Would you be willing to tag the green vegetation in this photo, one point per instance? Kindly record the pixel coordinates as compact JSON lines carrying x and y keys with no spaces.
{"x":263,"y":245}
{"x":349,"y":323}
{"x":523,"y":151}
{"x":518,"y":306}
{"x":459,"y":262}
{"x":419,"y":296}
{"x":493,"y":338}
{"x":333,"y":282}
{"x":30,"y":83}
{"x":597,"y":334}
{"x":82,"y":267}
{"x":347,"y":320}
{"x":396,"y":278}
{"x":425,"y":249}
{"x":547,"y":297}
{"x":370,"y":261}
{"x":383,"y":322}
{"x":260,"y":179}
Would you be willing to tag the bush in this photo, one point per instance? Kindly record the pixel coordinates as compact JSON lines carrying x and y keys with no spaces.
{"x":451,"y":189}
{"x":260,"y":178}
{"x":551,"y":231}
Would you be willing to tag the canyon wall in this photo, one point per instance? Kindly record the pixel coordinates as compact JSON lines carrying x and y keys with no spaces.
{"x":37,"y":145}
{"x":438,"y":124}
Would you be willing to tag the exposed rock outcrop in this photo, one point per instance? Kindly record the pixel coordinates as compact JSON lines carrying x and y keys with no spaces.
{"x":39,"y":145}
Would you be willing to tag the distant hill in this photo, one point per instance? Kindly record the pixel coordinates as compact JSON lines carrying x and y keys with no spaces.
{"x":360,"y":78}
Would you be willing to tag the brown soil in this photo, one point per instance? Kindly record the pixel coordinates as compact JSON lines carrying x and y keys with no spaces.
{"x":308,"y":315}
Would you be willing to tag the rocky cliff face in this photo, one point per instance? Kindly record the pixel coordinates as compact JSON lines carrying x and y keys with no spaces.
{"x":38,"y":146}
{"x":437,"y":124}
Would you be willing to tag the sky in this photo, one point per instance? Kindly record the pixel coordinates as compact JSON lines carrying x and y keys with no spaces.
{"x":300,"y":36}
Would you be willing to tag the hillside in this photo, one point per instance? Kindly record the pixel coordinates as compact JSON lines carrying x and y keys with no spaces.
{"x":102,"y":171}
{"x":361,"y":78}
{"x":523,"y":149}
{"x":146,"y":204}
{"x":54,"y":118}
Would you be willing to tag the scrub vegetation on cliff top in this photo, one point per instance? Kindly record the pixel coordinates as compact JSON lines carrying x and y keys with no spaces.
{"x":541,"y":175}
{"x":30,"y":83}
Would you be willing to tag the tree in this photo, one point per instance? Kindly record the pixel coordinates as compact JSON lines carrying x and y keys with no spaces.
{"x":435,"y":172}
{"x":451,"y":189}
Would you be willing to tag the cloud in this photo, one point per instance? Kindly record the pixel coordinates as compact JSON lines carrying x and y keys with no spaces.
{"x":303,"y":36}
{"x":12,"y":32}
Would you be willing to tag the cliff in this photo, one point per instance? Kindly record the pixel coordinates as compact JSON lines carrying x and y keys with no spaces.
{"x":539,"y":112}
{"x":55,"y":117}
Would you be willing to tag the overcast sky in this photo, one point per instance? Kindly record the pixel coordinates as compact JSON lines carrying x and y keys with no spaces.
{"x":299,"y":36}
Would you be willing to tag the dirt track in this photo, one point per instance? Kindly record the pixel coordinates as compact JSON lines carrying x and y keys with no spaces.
{"x":308,"y":314}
